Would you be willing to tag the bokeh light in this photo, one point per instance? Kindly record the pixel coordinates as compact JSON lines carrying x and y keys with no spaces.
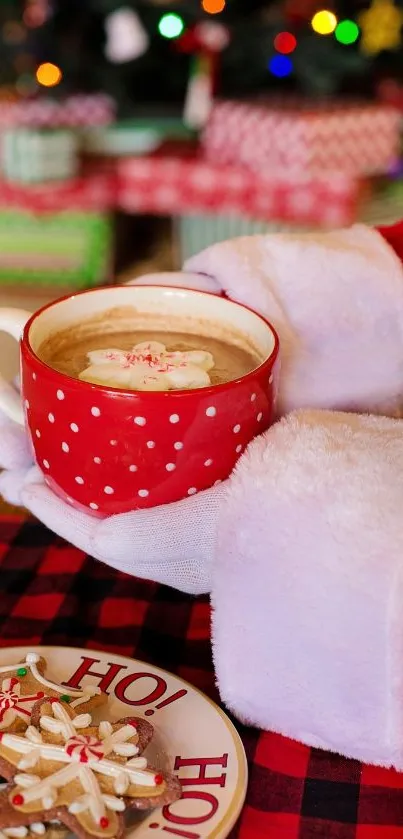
{"x":347,"y":32}
{"x":34,"y":15}
{"x":281,"y":66}
{"x":324,"y":22}
{"x":48,"y":75}
{"x":171,"y":26}
{"x":213,"y":7}
{"x":13,"y":33}
{"x":285,"y":42}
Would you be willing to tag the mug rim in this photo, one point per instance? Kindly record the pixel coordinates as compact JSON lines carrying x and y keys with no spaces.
{"x":268,"y":362}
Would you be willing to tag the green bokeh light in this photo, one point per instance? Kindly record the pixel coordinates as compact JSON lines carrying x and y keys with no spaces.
{"x":347,"y":32}
{"x":171,"y":26}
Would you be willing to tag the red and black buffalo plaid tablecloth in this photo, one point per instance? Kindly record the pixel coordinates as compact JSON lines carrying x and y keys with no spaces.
{"x":52,"y":593}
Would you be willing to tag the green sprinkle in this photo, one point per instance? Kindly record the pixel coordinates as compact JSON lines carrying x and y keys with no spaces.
{"x":65,"y":698}
{"x":22,"y":671}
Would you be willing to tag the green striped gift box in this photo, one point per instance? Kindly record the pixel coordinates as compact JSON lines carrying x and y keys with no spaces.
{"x":67,"y":249}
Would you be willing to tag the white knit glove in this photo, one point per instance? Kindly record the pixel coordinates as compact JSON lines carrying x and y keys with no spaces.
{"x":171,"y":544}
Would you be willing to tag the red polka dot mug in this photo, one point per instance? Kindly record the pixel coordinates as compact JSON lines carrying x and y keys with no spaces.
{"x":106,"y":450}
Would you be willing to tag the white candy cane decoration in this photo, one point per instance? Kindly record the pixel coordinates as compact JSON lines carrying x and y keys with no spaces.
{"x":80,"y":696}
{"x":13,"y":705}
{"x":84,"y":748}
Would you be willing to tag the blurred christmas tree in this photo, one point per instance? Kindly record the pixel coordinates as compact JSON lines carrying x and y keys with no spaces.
{"x":132,"y":48}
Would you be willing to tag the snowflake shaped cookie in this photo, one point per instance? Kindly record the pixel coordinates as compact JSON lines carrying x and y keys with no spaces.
{"x":149,"y":366}
{"x":24,"y":683}
{"x":63,"y":767}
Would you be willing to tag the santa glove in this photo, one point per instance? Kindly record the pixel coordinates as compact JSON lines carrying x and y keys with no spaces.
{"x":336,"y":300}
{"x":171,"y":544}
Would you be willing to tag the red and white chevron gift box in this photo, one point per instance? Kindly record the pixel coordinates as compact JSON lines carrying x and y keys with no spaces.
{"x":360,"y":139}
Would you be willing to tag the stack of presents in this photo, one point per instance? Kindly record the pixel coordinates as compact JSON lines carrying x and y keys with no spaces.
{"x":67,"y":167}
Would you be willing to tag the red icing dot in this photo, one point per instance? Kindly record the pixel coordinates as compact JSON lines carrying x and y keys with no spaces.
{"x":17,"y":800}
{"x":159,"y":779}
{"x":104,"y":822}
{"x":40,"y":695}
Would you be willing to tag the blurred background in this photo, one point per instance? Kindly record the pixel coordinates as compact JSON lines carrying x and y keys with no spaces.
{"x":135,"y":133}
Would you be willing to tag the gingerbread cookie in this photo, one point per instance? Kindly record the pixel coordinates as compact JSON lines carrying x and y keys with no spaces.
{"x":38,"y":830}
{"x":85,"y":776}
{"x":24,"y":683}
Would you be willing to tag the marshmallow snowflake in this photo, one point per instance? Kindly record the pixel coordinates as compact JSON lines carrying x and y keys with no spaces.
{"x":148,"y":366}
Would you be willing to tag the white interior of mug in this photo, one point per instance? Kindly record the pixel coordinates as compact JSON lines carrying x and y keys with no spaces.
{"x":204,"y":311}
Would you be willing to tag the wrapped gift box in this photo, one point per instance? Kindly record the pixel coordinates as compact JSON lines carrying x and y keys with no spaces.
{"x":35,"y":155}
{"x":95,"y":191}
{"x":40,"y":139}
{"x":72,"y":112}
{"x":57,"y":234}
{"x":360,"y":139}
{"x":183,"y":185}
{"x":194,"y":233}
{"x":67,"y":249}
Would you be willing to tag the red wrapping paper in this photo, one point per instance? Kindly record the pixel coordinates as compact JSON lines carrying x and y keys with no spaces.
{"x":361,"y":139}
{"x":172,"y":185}
{"x":92,"y":192}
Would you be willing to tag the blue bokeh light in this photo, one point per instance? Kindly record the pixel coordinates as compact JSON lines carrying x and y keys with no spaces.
{"x":280,"y":66}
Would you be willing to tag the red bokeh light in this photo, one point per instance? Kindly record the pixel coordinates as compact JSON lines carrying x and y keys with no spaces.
{"x":285,"y":42}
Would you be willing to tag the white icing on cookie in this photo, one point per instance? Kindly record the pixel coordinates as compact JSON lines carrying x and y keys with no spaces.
{"x":37,"y":829}
{"x":13,"y":705}
{"x":82,"y":756}
{"x":81,"y":695}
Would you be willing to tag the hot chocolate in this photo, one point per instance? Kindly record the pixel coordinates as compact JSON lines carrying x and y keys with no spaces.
{"x":146,"y":358}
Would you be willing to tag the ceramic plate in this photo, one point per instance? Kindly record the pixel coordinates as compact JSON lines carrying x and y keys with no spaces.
{"x":193,"y":737}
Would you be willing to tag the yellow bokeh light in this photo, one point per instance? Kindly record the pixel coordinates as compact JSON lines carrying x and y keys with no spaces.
{"x":48,"y":75}
{"x":324,"y":22}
